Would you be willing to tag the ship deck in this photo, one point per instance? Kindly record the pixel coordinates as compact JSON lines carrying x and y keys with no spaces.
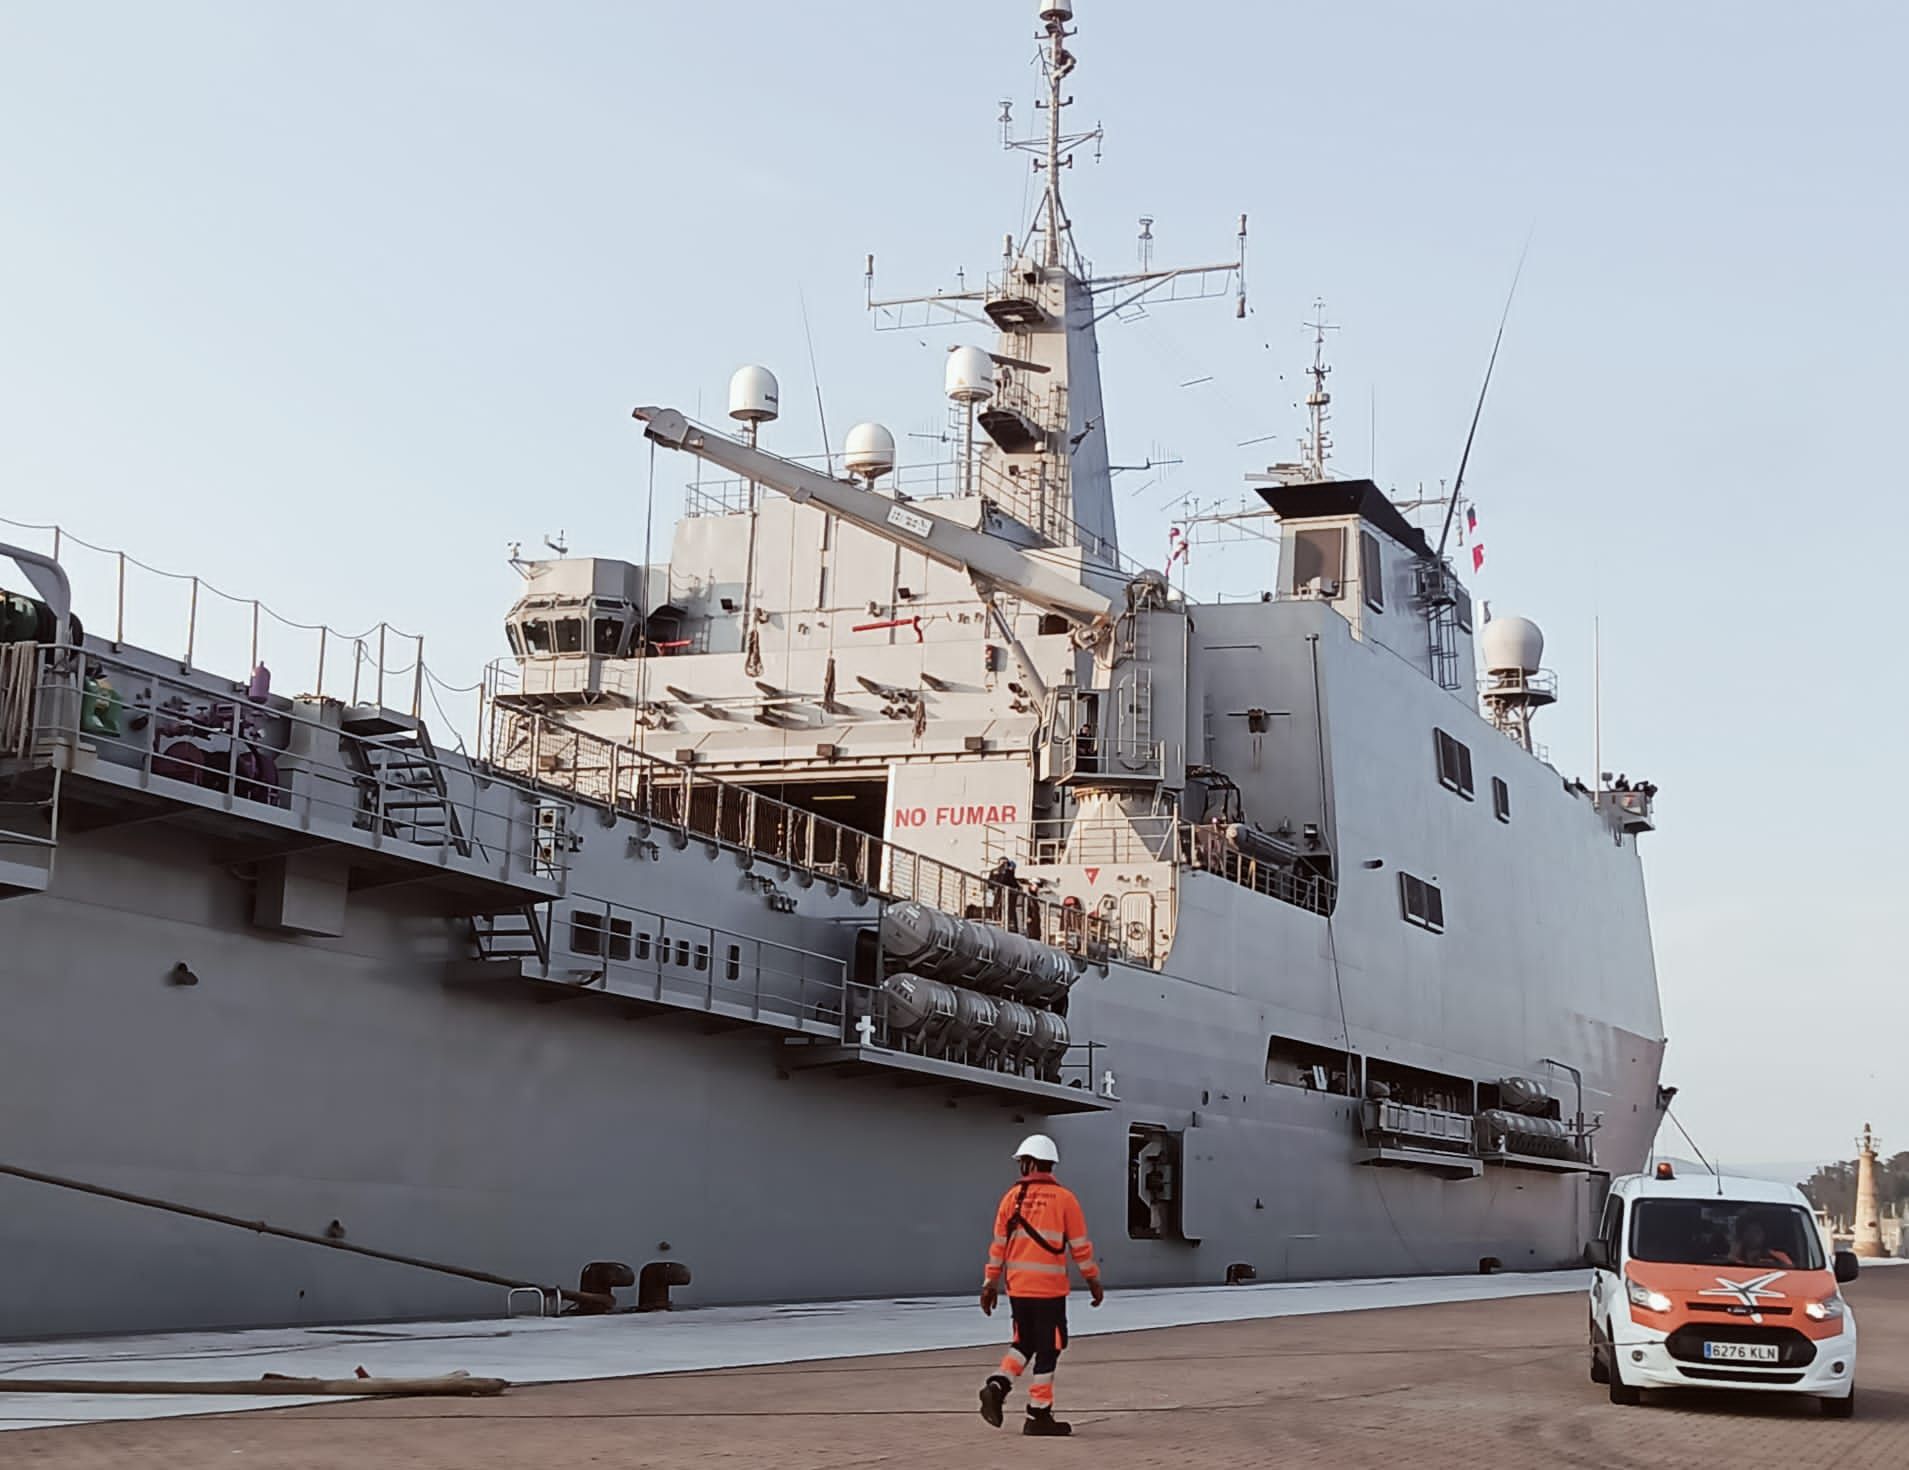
{"x":1433,"y":1372}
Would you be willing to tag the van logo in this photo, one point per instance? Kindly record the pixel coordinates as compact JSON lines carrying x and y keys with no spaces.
{"x":1747,"y":1294}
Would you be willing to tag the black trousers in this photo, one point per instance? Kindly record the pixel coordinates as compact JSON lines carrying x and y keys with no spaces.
{"x":1040,"y":1329}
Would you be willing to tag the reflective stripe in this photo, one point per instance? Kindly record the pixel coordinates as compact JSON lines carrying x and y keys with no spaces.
{"x":1000,"y":1240}
{"x":1013,"y":1363}
{"x":1040,"y":1392}
{"x":1058,"y":1268}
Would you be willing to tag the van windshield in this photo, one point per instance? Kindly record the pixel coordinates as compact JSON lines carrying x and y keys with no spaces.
{"x":1725,"y":1232}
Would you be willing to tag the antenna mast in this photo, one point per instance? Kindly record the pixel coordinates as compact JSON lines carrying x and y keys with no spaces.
{"x":1058,"y":62}
{"x":1318,"y":401}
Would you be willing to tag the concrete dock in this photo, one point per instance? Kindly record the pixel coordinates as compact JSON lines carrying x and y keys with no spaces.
{"x":1495,"y":1381}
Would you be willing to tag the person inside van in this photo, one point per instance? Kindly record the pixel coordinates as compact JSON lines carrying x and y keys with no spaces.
{"x":1753,"y":1245}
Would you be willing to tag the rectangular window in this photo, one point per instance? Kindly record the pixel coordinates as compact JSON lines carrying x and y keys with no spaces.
{"x":732,"y":965}
{"x":702,"y":958}
{"x":569,"y":635}
{"x":592,"y":933}
{"x":1454,"y":764}
{"x":642,"y":944}
{"x":1463,"y":607}
{"x":1500,"y":799}
{"x":586,"y":932}
{"x":1319,"y":555}
{"x":1371,"y":572}
{"x":1307,"y":1064}
{"x":607,"y":636}
{"x":1421,"y":903}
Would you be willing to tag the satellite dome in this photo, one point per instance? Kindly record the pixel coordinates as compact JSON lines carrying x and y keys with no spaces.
{"x":970,"y":376}
{"x":1062,"y":10}
{"x":753,"y":395}
{"x":1513,"y":646}
{"x":869,"y":450}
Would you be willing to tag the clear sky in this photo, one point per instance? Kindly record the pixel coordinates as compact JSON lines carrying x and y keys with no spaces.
{"x":329,"y":303}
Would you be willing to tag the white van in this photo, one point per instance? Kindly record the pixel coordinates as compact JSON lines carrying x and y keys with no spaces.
{"x":1712,"y":1282}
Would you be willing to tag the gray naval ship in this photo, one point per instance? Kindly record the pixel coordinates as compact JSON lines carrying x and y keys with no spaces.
{"x":708,"y":959}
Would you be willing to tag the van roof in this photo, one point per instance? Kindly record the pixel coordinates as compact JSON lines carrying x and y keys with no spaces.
{"x":1708,"y":1186}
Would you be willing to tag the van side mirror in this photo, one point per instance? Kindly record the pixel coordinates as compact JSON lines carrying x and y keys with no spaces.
{"x":1598,"y":1255}
{"x":1846,"y":1266}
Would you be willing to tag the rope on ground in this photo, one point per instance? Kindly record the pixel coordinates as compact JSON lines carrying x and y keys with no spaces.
{"x":274,"y":1385}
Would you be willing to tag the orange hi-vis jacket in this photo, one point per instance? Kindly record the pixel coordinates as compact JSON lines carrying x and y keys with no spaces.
{"x":1036,"y":1263}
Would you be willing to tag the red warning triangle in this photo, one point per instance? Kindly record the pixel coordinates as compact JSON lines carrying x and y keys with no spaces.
{"x":1093,"y":875}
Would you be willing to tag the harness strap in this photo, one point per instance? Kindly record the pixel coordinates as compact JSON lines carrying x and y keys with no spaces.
{"x":1019,"y":1221}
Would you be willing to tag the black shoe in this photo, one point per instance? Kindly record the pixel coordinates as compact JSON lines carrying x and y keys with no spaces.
{"x":1042,"y":1422}
{"x":993,"y":1393}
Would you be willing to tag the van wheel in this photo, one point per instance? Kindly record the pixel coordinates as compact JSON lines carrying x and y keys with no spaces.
{"x":1843,"y":1408}
{"x":1621,"y":1392}
{"x":1599,"y":1372}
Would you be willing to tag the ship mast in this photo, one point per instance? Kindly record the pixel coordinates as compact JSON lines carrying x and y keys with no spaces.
{"x":1059,"y":61}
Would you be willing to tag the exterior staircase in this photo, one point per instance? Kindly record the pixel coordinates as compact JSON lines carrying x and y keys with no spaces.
{"x":401,"y":779}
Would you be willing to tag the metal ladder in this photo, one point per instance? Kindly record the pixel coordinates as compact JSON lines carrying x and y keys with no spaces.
{"x":514,"y":934}
{"x":403,"y":782}
{"x":1134,"y":746}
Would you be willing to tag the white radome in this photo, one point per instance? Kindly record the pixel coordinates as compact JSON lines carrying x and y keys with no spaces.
{"x":754,"y":395}
{"x":869,"y":450}
{"x":1062,"y":10}
{"x":970,"y":375}
{"x":1513,"y":645}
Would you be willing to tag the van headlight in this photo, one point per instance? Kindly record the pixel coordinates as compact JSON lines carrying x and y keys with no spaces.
{"x":1829,"y":1309}
{"x":1643,"y":1296}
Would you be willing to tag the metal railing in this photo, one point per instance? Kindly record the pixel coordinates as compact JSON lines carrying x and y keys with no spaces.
{"x":694,"y":804}
{"x":195,"y":738}
{"x":1164,"y":838}
{"x":637,"y":953}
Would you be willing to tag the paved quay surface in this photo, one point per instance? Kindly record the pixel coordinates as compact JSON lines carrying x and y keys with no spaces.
{"x":1479,"y":1383}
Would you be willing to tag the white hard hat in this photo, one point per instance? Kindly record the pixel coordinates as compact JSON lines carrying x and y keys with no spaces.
{"x":1038,"y":1146}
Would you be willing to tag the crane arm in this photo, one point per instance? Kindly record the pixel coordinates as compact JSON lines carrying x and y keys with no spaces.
{"x":992,"y":563}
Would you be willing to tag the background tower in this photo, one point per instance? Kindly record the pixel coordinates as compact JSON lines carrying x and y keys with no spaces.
{"x":1868,"y":1225}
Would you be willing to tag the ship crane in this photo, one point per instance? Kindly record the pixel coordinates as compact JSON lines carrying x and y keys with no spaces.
{"x":993,"y":565}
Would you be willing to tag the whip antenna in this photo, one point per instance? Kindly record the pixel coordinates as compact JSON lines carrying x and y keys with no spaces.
{"x":1451,"y":506}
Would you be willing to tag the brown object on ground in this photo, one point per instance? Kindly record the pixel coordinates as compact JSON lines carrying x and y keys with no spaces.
{"x":1476,"y":1386}
{"x":272,"y":1385}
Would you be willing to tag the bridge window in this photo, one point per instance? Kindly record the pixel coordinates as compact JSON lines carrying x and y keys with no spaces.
{"x":1421,"y":903}
{"x":607,"y":636}
{"x":1371,"y":572}
{"x":569,"y":635}
{"x":536,"y":635}
{"x":1454,"y":764}
{"x":1500,"y":799}
{"x":1319,"y":555}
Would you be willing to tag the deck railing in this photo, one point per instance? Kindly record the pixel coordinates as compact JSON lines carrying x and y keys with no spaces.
{"x":611,"y":774}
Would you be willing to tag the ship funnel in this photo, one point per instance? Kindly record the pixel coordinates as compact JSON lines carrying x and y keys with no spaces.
{"x":869,"y":451}
{"x":754,"y":396}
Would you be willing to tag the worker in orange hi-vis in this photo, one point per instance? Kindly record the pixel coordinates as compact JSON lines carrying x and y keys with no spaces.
{"x":1038,"y":1227}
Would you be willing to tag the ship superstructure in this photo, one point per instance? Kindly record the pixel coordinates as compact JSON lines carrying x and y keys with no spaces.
{"x":892,"y":813}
